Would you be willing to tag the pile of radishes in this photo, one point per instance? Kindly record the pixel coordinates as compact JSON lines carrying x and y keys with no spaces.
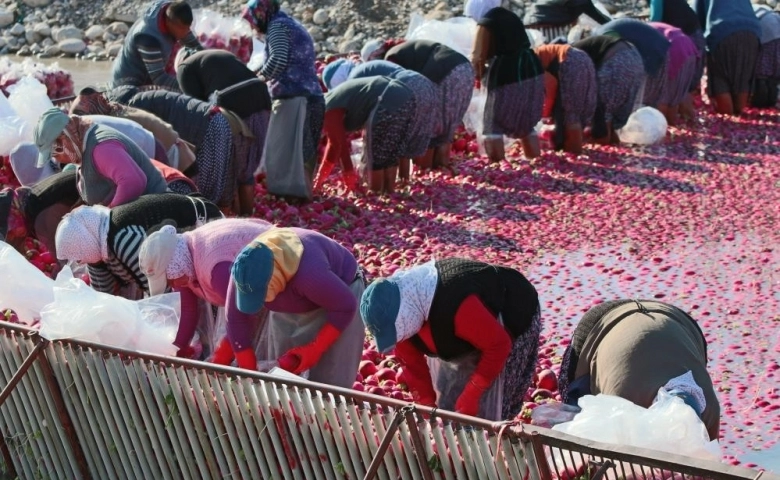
{"x":58,"y":82}
{"x":692,"y":221}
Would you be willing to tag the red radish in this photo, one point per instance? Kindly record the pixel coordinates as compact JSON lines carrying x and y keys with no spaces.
{"x":367,"y":368}
{"x":547,"y":380}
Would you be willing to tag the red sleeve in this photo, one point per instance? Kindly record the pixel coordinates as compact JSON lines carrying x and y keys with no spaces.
{"x":416,"y":374}
{"x":475,"y":324}
{"x":550,"y":92}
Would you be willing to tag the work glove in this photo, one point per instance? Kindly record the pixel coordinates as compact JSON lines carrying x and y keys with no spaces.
{"x":468,"y":402}
{"x":186,"y":352}
{"x":299,"y":359}
{"x":246,"y":359}
{"x":223,"y":354}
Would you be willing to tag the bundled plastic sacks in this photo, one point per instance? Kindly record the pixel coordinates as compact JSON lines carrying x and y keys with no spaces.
{"x":58,"y":82}
{"x":12,"y":127}
{"x":79,"y":312}
{"x":645,"y":126}
{"x":29,"y":99}
{"x":23,"y":288}
{"x":669,"y":425}
{"x":217,"y":31}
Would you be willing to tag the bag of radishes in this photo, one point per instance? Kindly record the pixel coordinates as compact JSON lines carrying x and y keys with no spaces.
{"x":58,"y":82}
{"x":225,"y":33}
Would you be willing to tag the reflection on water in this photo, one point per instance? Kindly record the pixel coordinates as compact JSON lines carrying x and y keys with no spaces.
{"x":731,"y":287}
{"x":84,"y":72}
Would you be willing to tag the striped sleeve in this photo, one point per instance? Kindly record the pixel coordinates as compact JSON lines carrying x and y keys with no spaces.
{"x":278,"y":39}
{"x":127,"y":244}
{"x":152,"y":56}
{"x":101,"y":278}
{"x":191,"y":41}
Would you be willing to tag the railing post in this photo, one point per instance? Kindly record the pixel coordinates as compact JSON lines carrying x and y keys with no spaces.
{"x":21,"y":372}
{"x":64,"y":416}
{"x":417,"y":442}
{"x":376,"y":462}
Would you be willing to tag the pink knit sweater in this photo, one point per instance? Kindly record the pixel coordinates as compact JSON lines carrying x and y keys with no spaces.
{"x":213,"y":247}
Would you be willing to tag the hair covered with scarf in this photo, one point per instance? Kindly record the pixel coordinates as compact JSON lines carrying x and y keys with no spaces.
{"x":91,"y":102}
{"x":259,"y":12}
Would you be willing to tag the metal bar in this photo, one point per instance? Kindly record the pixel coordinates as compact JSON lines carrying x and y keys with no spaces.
{"x":62,"y":412}
{"x":387,"y":469}
{"x":418,"y":446}
{"x":21,"y":371}
{"x":541,"y":458}
{"x":12,"y":422}
{"x":602,"y":469}
{"x":373,"y":468}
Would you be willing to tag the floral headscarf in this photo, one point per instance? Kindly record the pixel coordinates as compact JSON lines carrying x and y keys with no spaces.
{"x":95,"y":104}
{"x":72,"y":139}
{"x":259,"y":12}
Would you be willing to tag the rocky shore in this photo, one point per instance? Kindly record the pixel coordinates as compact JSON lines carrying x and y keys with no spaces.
{"x":95,"y":29}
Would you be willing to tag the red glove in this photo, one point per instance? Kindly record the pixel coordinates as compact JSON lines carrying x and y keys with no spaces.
{"x":185,"y":352}
{"x":223,"y":354}
{"x":468,"y":402}
{"x":299,"y":359}
{"x":246,"y":359}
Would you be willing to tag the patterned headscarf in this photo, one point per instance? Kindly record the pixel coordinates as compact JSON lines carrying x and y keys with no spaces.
{"x":95,"y":104}
{"x":259,"y":12}
{"x":82,"y":235}
{"x":181,"y":264}
{"x":73,"y":142}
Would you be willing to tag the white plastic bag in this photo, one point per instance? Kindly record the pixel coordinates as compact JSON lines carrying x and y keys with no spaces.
{"x":12,"y":133}
{"x":645,"y":126}
{"x":669,"y":425}
{"x":472,"y":120}
{"x":6,"y":110}
{"x":23,"y":288}
{"x":257,"y":59}
{"x":82,"y":313}
{"x":29,"y":99}
{"x":457,"y":33}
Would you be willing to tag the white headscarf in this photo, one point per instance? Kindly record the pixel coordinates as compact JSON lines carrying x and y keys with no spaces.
{"x":417,"y":287}
{"x":82,"y":235}
{"x":477,"y":9}
{"x":181,"y":263}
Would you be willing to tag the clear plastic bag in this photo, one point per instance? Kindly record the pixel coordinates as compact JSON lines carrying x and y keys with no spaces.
{"x":29,"y":99}
{"x":82,"y":313}
{"x":23,"y":288}
{"x":548,"y":415}
{"x":457,"y":33}
{"x":645,"y":126}
{"x":450,"y":378}
{"x":669,"y":425}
